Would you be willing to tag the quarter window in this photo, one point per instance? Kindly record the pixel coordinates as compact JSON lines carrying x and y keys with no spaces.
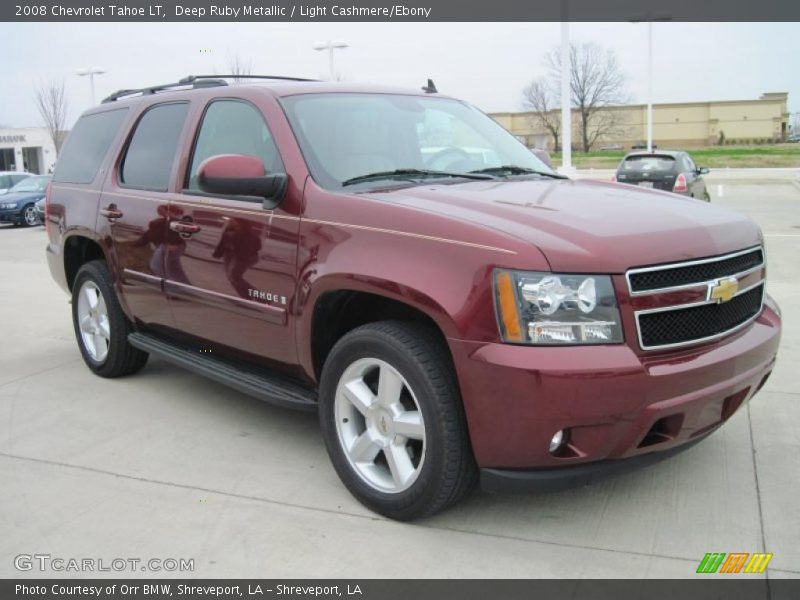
{"x":153,"y":148}
{"x":233,"y":127}
{"x":87,"y":146}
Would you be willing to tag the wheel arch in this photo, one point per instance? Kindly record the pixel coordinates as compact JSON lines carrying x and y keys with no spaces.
{"x":78,"y":250}
{"x":340,"y":308}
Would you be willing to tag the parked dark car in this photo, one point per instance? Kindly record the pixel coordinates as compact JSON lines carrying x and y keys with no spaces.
{"x":18,"y":205}
{"x":40,"y":209}
{"x":669,"y":170}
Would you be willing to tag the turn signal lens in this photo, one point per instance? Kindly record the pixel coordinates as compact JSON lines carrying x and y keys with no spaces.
{"x":507,"y":307}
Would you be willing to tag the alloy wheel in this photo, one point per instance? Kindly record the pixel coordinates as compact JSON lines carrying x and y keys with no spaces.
{"x":93,"y":321}
{"x":380,"y":425}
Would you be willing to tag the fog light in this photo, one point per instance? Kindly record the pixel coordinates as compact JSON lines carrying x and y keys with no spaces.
{"x":557,"y":441}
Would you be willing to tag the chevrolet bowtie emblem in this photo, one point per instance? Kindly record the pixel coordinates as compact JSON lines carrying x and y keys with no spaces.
{"x":723,"y":290}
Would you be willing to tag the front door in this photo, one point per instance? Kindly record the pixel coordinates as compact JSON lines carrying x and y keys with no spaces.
{"x":237,"y":276}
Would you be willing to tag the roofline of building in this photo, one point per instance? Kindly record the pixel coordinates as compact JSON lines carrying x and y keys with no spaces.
{"x":776,"y":97}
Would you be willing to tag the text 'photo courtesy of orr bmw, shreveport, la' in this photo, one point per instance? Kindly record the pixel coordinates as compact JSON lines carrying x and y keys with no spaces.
{"x":454,"y":310}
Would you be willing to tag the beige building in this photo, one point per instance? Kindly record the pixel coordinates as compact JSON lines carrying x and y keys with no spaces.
{"x":677,"y":125}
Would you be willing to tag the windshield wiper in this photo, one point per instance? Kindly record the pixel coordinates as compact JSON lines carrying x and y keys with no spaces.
{"x":414,"y":173}
{"x":517,"y":170}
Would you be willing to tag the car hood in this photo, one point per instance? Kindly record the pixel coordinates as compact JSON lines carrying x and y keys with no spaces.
{"x":21,"y":196}
{"x":589,"y":226}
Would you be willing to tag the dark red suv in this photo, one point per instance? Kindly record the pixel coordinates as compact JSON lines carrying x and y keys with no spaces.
{"x":400,"y":263}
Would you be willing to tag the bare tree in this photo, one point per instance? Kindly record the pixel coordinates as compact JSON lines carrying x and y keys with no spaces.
{"x":541,"y":98}
{"x":597,"y":82}
{"x":238,"y":67}
{"x":51,"y":100}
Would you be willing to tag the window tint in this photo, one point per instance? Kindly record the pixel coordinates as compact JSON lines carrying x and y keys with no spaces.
{"x":87,"y":145}
{"x":17,"y":178}
{"x":234,"y":127}
{"x":151,"y":153}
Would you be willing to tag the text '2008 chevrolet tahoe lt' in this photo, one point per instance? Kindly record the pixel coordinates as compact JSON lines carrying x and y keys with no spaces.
{"x":395,"y":260}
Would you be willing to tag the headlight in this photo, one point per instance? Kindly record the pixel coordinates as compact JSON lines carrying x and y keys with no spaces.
{"x":546,"y":308}
{"x":8,"y":206}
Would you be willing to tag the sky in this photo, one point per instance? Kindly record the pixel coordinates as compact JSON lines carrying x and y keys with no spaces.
{"x":486,"y":64}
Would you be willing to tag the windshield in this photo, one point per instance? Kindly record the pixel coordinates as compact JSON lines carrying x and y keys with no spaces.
{"x":648,"y":162}
{"x":31,"y":184}
{"x":345,"y":137}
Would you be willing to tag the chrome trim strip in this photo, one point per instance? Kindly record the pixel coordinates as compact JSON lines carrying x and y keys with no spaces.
{"x":638,"y":313}
{"x":130,"y":275}
{"x":692,"y":263}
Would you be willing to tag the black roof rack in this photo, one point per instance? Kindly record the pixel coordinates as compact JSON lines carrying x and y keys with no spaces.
{"x":195,"y":81}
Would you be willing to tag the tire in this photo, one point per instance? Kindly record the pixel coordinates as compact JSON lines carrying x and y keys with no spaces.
{"x":104,"y":341}
{"x":425,"y":406}
{"x":28,"y":216}
{"x":707,"y":196}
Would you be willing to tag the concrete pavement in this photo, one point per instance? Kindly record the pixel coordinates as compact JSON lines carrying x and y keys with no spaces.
{"x":165,"y":464}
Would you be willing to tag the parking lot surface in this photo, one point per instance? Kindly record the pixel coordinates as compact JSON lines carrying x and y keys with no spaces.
{"x":166,"y":464}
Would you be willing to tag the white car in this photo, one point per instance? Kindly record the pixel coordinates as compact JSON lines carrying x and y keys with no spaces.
{"x":9,"y":179}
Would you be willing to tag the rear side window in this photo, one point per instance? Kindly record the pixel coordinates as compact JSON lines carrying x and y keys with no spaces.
{"x":649,"y":163}
{"x":153,"y":147}
{"x":87,"y":146}
{"x":5,"y":181}
{"x":234,"y":127}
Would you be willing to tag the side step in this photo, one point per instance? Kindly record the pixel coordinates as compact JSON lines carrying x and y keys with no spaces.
{"x":274,"y":388}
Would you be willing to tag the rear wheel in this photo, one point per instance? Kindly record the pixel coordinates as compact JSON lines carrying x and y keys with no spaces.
{"x":101,"y":327}
{"x":393,"y":422}
{"x":707,"y":196}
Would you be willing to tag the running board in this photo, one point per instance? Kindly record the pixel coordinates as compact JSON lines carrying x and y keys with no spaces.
{"x":269,"y":387}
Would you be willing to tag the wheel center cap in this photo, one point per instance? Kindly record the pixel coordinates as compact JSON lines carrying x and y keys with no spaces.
{"x":382,"y":424}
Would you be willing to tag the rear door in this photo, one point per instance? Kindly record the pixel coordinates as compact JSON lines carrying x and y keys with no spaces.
{"x":134,"y":212}
{"x":656,"y":171}
{"x":237,"y":280}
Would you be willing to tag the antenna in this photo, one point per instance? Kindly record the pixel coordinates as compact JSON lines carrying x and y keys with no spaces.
{"x":430,"y":88}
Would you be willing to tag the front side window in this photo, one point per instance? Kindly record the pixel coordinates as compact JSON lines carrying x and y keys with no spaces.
{"x":87,"y":145}
{"x":153,"y":147}
{"x":233,"y":127}
{"x":346,"y":136}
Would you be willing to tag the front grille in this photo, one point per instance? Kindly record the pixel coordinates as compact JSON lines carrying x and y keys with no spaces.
{"x":685,"y":325}
{"x":656,"y":279}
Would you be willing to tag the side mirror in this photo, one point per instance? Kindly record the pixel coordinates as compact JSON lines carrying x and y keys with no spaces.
{"x":241,"y":175}
{"x":703,"y":170}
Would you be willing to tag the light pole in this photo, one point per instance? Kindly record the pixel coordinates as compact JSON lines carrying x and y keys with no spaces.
{"x":330,"y":46}
{"x":566,"y":104}
{"x":650,"y":86}
{"x":91,"y":72}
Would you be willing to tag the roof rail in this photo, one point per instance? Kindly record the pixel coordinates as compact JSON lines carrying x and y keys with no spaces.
{"x":202,"y":83}
{"x":192,"y":78}
{"x":196,"y":81}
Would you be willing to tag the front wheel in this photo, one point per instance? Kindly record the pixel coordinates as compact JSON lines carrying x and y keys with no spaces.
{"x":393,"y":422}
{"x":101,"y":326}
{"x":29,"y":217}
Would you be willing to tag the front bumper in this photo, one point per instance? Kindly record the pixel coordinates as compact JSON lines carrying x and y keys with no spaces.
{"x":614,"y":402}
{"x":13,"y":215}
